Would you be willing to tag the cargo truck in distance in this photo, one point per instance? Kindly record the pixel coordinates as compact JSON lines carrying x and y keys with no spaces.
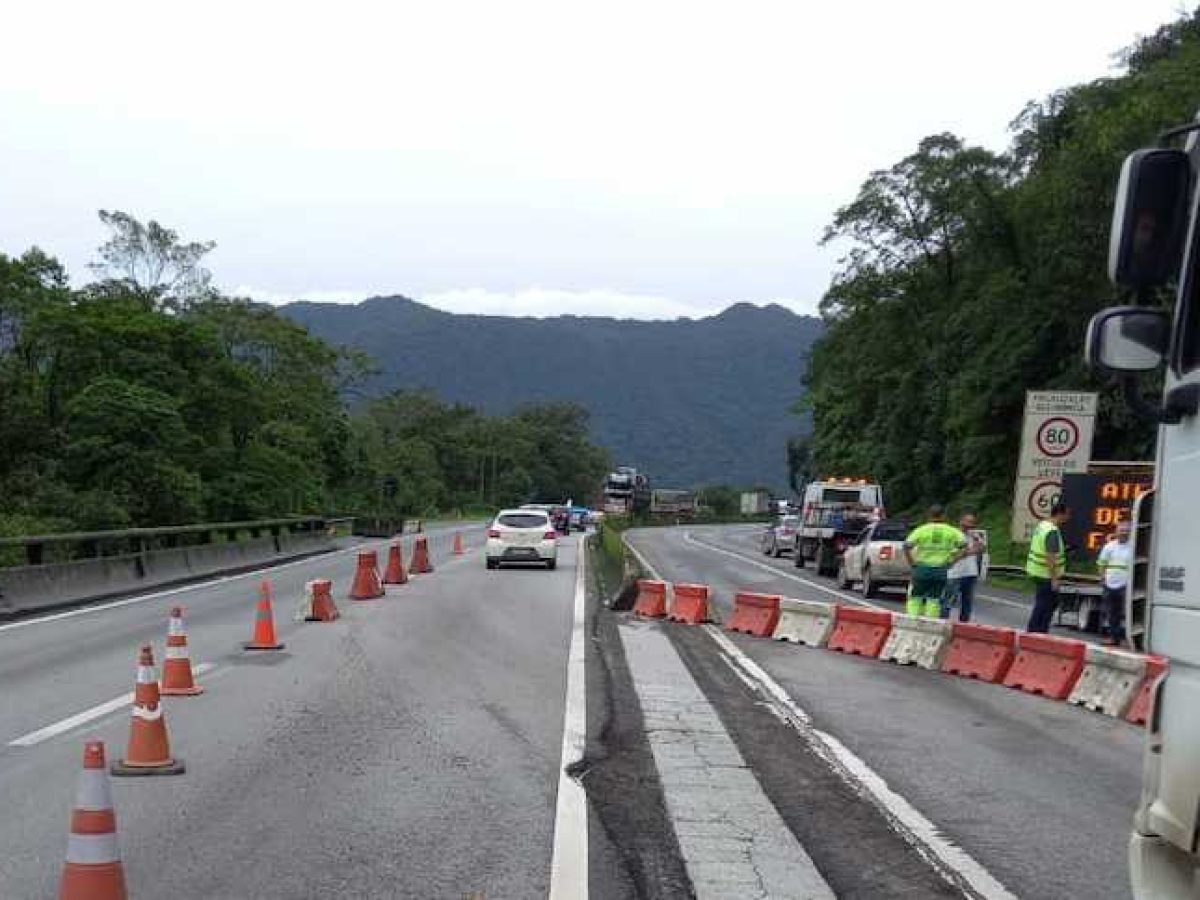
{"x":672,"y":505}
{"x":1155,"y":246}
{"x":834,"y":512}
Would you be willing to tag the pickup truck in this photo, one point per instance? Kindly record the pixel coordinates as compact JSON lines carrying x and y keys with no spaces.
{"x":876,"y":558}
{"x":826,"y":530}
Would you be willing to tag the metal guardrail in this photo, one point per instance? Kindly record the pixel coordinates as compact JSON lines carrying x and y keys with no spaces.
{"x":1020,"y":571}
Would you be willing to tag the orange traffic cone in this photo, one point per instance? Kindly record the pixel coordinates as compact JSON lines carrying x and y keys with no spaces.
{"x":321,"y":607}
{"x":458,"y":544}
{"x":177,"y":680}
{"x":367,"y":585}
{"x":264,"y":622}
{"x":149,"y":751}
{"x":93,"y":868}
{"x":420,"y":556}
{"x":394,"y":573}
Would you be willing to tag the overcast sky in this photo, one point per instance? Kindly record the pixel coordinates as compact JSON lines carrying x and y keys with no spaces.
{"x":646,"y":159}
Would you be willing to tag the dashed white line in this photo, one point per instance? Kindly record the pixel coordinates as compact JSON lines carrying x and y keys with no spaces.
{"x":569,"y":860}
{"x":88,"y":715}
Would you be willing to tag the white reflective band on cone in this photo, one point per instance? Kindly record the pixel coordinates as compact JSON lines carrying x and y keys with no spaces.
{"x":177,"y":652}
{"x":147,"y":715}
{"x":94,"y":792}
{"x":146,"y":675}
{"x":175,"y":628}
{"x":93,"y":849}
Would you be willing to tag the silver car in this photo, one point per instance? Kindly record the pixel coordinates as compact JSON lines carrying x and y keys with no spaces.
{"x":780,"y":536}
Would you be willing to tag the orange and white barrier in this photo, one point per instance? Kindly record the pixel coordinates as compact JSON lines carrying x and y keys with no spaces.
{"x":1046,"y":665}
{"x":690,"y":604}
{"x":366,"y":585}
{"x":177,"y":679}
{"x":651,"y":600}
{"x":917,"y":641}
{"x":1109,"y":681}
{"x":93,"y":870}
{"x":394,"y":572}
{"x":420,"y":556}
{"x":318,"y":605}
{"x":807,"y":622}
{"x":149,"y":750}
{"x":264,"y":622}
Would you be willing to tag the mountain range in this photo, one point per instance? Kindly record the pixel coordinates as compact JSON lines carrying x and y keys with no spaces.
{"x":689,"y":401}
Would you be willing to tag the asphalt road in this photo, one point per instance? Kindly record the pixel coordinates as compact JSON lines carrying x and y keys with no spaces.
{"x":1039,"y":793}
{"x":410,"y":749}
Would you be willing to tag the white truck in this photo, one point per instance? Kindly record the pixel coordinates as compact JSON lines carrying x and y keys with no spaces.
{"x":1155,"y":244}
{"x":835,"y":512}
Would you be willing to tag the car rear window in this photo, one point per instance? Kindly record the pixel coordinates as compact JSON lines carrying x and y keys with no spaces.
{"x":890,"y":533}
{"x":841,"y":495}
{"x":523,"y":520}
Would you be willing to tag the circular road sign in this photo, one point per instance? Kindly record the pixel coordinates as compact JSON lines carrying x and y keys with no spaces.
{"x":1057,"y":436}
{"x":1042,"y":497}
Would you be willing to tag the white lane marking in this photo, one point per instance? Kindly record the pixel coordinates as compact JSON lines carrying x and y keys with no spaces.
{"x":569,"y":862}
{"x":902,"y":815}
{"x":992,"y":598}
{"x":88,"y":715}
{"x":196,"y":586}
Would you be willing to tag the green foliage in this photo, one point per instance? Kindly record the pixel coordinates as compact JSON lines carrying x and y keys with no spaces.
{"x":969,"y":279}
{"x":149,"y":399}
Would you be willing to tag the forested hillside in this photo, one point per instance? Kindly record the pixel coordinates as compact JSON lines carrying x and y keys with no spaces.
{"x":147,"y":398}
{"x":689,"y":401}
{"x":970,"y":277}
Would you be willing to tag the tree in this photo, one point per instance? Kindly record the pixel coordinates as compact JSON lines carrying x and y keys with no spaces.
{"x":151,"y":260}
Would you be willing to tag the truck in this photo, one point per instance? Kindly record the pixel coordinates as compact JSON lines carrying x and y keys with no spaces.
{"x":834,"y":513}
{"x":668,"y":503}
{"x":626,"y":491}
{"x":1154,"y":249}
{"x":755,"y":503}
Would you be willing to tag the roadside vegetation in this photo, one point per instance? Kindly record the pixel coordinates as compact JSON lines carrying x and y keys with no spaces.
{"x":968,"y":279}
{"x":148,"y":398}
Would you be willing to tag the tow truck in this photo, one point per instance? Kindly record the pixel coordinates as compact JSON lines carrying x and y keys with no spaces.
{"x":1155,"y":246}
{"x":835,"y":512}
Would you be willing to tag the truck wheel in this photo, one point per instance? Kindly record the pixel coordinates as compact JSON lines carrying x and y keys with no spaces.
{"x":869,"y":590}
{"x":798,"y":562}
{"x":776,"y":550}
{"x":842,"y":581}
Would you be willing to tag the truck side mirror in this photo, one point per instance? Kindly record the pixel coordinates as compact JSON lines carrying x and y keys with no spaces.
{"x":1149,"y":218}
{"x":1127,"y":339}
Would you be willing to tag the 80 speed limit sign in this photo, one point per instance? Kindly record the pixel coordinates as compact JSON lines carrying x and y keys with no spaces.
{"x":1056,"y":439}
{"x":1057,"y":436}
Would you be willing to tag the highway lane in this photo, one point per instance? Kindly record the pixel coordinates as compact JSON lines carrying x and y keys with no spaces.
{"x":410,"y":749}
{"x":1040,"y":793}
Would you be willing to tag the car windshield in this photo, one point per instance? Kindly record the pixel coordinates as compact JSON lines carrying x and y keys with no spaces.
{"x":890,"y":532}
{"x":523,"y":520}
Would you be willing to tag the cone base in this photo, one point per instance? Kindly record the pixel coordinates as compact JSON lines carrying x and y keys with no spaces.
{"x":319,"y":619}
{"x":395,"y":581}
{"x":252,"y":645}
{"x":181,"y":692}
{"x":125,"y":769}
{"x":83,"y":881}
{"x":369,"y":597}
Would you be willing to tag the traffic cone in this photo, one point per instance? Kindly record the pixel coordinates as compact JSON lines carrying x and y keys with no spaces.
{"x":177,"y":680}
{"x":458,"y":544}
{"x":149,"y":751}
{"x":394,"y":573}
{"x":93,"y":868}
{"x":420,"y":557}
{"x":321,"y":607}
{"x":367,"y":585}
{"x":264,"y":622}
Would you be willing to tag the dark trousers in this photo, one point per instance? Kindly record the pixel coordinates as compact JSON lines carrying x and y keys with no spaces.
{"x":1114,"y":613}
{"x":1045,"y":602}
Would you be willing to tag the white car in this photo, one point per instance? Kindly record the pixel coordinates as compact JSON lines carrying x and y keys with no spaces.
{"x":522,"y":535}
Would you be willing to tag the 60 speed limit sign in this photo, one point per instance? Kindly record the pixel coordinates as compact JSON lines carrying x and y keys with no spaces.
{"x":1058,"y":436}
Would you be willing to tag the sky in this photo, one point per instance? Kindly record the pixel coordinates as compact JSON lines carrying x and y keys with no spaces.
{"x":647,"y":159}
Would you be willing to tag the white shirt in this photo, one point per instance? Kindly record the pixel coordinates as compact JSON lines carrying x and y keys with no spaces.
{"x":968,"y":566}
{"x":1115,"y":560}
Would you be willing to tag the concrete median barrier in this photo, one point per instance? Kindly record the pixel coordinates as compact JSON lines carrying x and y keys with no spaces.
{"x":209,"y":559}
{"x":1109,"y":681}
{"x":31,"y":588}
{"x":858,"y":631}
{"x":1046,"y":665}
{"x":755,"y":614}
{"x":916,"y":641}
{"x":984,"y":652}
{"x":807,"y":622}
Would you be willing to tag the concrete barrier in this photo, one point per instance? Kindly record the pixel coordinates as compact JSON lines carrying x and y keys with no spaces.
{"x":916,"y":640}
{"x":756,"y":614}
{"x":1109,"y":681}
{"x":1139,"y":710}
{"x":1046,"y":665}
{"x":859,"y":631}
{"x":35,"y":588}
{"x":807,"y":622}
{"x":980,"y":651}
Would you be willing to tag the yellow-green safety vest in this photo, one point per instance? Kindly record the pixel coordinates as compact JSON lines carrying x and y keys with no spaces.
{"x":1037,"y":564}
{"x":934,"y":543}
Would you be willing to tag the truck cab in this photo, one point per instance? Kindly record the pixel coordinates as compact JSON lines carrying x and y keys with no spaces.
{"x":1155,"y":248}
{"x":834,"y":513}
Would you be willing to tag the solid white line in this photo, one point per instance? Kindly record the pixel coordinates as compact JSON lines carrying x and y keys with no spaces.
{"x":913,"y":826}
{"x":195,"y":586}
{"x":569,"y":862}
{"x":88,"y":715}
{"x":904,"y":817}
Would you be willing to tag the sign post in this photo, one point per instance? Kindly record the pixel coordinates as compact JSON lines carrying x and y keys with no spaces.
{"x":1056,"y":440}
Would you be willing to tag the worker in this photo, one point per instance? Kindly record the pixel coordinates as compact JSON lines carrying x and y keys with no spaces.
{"x":963,"y":574}
{"x":1114,"y":562}
{"x":1045,"y":564}
{"x":930,"y":550}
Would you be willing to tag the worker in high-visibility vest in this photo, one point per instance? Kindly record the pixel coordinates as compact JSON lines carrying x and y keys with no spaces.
{"x":1045,"y":564}
{"x":930,"y":550}
{"x":1114,"y":563}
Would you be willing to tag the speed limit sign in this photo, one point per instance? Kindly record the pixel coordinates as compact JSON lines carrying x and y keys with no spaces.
{"x":1056,"y":440}
{"x":1057,"y":436}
